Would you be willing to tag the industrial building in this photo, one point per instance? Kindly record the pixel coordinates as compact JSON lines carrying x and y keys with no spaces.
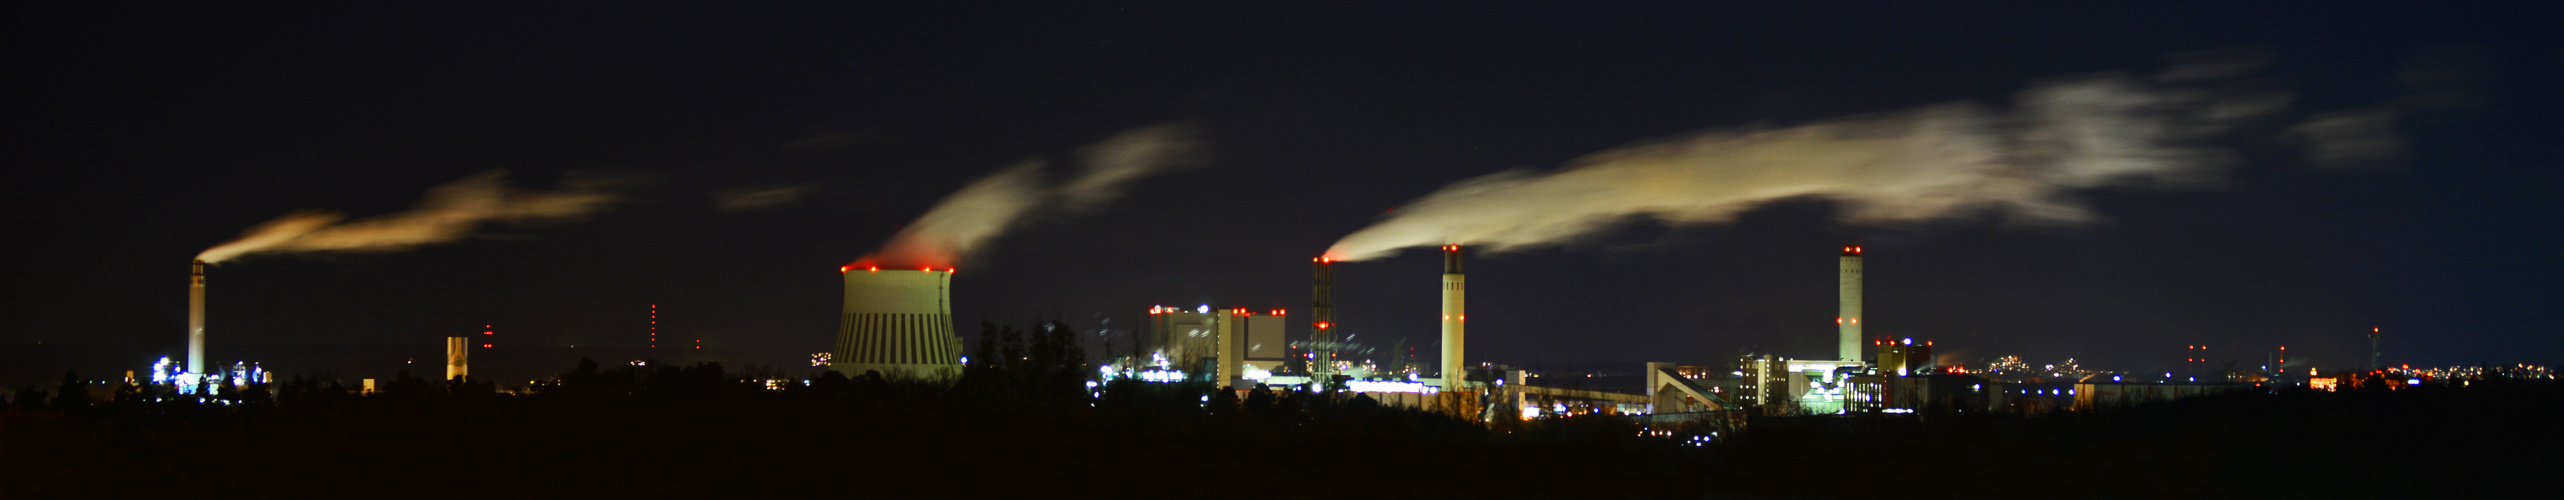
{"x":1228,"y":347}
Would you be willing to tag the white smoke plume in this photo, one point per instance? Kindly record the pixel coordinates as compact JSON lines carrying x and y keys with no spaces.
{"x":967,"y":220}
{"x":2024,"y":164}
{"x":740,"y":199}
{"x":448,"y":213}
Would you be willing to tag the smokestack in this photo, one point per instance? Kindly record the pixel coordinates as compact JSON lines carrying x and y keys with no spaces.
{"x":898,"y":323}
{"x":458,"y":357}
{"x":196,"y":319}
{"x":1455,"y":366}
{"x":1847,"y":319}
{"x":2375,"y":336}
{"x":1322,"y":321}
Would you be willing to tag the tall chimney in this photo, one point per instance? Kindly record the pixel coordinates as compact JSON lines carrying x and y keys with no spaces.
{"x":1322,"y":321}
{"x":2374,"y":338}
{"x":1455,"y":366}
{"x":1847,"y":319}
{"x":196,"y":319}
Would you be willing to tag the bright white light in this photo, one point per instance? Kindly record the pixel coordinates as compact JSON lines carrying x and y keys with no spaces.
{"x":2413,"y":382}
{"x":1206,"y":309}
{"x":1384,"y":386}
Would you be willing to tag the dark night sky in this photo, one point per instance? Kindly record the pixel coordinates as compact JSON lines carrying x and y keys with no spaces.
{"x":141,"y":135}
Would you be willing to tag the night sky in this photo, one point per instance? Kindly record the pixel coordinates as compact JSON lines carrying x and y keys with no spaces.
{"x":141,"y":135}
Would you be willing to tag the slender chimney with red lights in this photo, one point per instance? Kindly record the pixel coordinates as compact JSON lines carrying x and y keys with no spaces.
{"x":196,"y":319}
{"x":1847,"y":318}
{"x":1455,"y":314}
{"x":1322,"y":320}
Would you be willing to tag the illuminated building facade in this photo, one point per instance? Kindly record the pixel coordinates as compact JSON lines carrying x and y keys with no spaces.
{"x":1225,"y":346}
{"x":1902,"y":357}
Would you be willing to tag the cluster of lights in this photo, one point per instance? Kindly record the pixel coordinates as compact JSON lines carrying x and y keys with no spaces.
{"x":877,"y":268}
{"x":165,"y":372}
{"x":1160,"y":376}
{"x":1388,"y":386}
{"x":2521,"y":371}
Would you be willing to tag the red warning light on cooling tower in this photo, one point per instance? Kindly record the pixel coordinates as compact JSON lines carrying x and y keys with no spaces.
{"x":1323,"y":325}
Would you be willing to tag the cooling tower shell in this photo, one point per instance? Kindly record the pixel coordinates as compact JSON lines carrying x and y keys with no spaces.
{"x":898,"y":323}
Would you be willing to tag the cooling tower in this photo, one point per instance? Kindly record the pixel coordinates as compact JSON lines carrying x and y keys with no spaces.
{"x":1455,"y":369}
{"x":196,"y":320}
{"x":898,"y":323}
{"x":1847,"y":319}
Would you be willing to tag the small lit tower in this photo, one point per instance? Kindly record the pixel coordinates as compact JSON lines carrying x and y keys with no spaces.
{"x":654,"y":326}
{"x":1847,"y":319}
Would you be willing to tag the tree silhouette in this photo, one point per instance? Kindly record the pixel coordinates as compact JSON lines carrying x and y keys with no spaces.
{"x":73,"y":394}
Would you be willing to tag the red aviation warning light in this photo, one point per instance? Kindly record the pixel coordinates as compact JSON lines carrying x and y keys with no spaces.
{"x":1323,"y":325}
{"x":1852,"y":251}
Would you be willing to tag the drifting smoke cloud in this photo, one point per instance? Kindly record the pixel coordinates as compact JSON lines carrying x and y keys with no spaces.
{"x":448,"y":213}
{"x":2024,"y":165}
{"x":745,"y":198}
{"x":969,"y":219}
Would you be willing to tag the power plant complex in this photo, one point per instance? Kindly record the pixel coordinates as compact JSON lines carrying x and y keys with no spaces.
{"x":898,"y":324}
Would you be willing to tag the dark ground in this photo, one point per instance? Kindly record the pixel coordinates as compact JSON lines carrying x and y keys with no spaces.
{"x":679,"y":433}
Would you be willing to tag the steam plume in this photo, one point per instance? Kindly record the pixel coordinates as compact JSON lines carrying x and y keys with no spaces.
{"x":2024,"y":165}
{"x":448,"y":213}
{"x":967,"y":220}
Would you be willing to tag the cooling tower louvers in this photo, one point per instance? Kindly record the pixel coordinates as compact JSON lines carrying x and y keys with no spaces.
{"x":898,"y":324}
